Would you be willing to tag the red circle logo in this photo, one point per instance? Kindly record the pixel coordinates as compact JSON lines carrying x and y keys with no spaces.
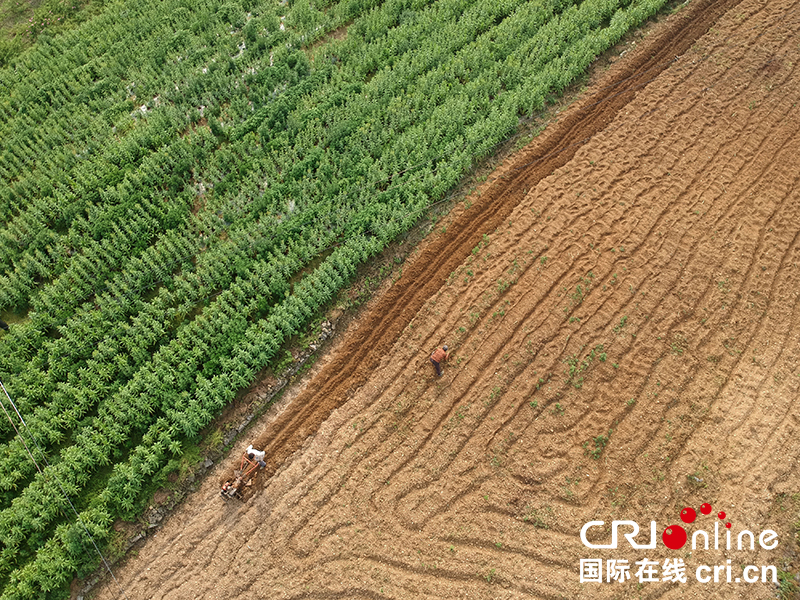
{"x":674,"y":537}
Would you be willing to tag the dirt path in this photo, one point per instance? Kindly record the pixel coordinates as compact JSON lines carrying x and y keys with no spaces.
{"x":624,"y":345}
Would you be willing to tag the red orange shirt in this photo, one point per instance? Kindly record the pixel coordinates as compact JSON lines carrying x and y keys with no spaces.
{"x":439,"y":355}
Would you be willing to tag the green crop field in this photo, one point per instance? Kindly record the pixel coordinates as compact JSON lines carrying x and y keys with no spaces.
{"x":184,"y":184}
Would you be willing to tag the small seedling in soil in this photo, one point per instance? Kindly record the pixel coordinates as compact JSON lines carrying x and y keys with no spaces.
{"x":600,"y":443}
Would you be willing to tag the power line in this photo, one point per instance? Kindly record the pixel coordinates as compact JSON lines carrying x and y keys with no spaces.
{"x":58,"y":482}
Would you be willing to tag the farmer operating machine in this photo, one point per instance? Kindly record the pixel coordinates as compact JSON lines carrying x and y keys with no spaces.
{"x":244,"y":476}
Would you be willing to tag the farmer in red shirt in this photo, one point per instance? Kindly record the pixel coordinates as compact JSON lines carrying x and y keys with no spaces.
{"x":439,"y":356}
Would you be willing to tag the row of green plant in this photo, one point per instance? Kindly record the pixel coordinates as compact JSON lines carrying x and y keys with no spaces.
{"x":176,"y":384}
{"x":23,"y":23}
{"x":171,"y":175}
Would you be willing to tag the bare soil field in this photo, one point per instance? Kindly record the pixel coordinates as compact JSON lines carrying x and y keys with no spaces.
{"x":620,"y":299}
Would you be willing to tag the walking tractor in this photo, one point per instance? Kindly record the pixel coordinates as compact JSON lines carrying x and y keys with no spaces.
{"x":243,"y":478}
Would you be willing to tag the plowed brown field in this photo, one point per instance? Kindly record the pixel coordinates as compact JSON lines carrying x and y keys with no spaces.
{"x":621,"y":303}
